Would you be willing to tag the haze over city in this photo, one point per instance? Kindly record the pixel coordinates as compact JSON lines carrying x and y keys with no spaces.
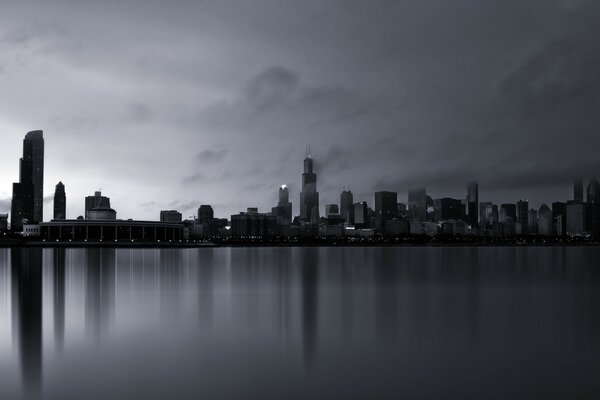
{"x":169,"y":105}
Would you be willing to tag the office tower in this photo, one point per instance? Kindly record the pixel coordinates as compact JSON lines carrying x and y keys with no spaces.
{"x":96,"y":201}
{"x":331,"y":209}
{"x":346,"y":202}
{"x":447,"y":209}
{"x":402,"y":210}
{"x":472,"y":205}
{"x":3,"y":222}
{"x":576,"y":218}
{"x":386,"y":205}
{"x":508,"y":211}
{"x":28,"y":193}
{"x":283,"y":210}
{"x":523,"y":216}
{"x":417,"y":204}
{"x":361,"y":215}
{"x":309,"y":197}
{"x":170,"y":216}
{"x":60,"y":202}
{"x":532,"y":222}
{"x":559,"y":216}
{"x":205,"y":214}
{"x":593,"y":204}
{"x":545,"y":221}
{"x":578,"y":190}
{"x":483,"y":206}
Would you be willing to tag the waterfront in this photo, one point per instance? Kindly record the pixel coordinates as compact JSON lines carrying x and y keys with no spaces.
{"x":329,"y":322}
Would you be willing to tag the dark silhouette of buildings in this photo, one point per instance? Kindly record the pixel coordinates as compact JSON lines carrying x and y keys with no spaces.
{"x":473,"y":203}
{"x":205,"y":214}
{"x":309,"y":197}
{"x":283,"y":209}
{"x":523,"y":217}
{"x":28,"y":193}
{"x":253,"y":224}
{"x":593,"y":201}
{"x":559,"y":218}
{"x":170,"y":216}
{"x":576,"y":217}
{"x":447,"y":208}
{"x":545,"y":221}
{"x":386,"y":207}
{"x":346,"y":209}
{"x":60,"y":202}
{"x":98,"y":207}
{"x":417,"y":204}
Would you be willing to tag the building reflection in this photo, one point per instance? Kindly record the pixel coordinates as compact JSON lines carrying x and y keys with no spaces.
{"x":386,"y":294}
{"x":99,"y":291}
{"x":309,"y":281}
{"x":206,"y":276}
{"x":58,"y":269}
{"x":26,"y":286}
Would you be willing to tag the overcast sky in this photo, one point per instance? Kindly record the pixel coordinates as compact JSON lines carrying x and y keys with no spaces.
{"x":173,"y":104}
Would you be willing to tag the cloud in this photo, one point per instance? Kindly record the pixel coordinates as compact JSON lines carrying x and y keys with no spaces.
{"x":210,"y":156}
{"x":197,"y":177}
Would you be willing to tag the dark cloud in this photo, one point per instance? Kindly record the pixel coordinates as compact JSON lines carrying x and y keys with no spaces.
{"x":211,"y":156}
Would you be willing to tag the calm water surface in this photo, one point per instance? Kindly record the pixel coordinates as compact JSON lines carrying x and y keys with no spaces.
{"x":287,"y":323}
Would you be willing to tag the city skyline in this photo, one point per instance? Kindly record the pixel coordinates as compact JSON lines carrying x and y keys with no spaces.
{"x":213,"y":102}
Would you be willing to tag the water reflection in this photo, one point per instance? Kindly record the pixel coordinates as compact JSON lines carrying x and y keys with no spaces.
{"x":305,"y":322}
{"x":26,"y":275}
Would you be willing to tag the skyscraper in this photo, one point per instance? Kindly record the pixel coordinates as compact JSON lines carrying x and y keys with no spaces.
{"x":28,"y":193}
{"x":283,"y":210}
{"x":545,"y":221}
{"x":309,"y":197}
{"x":593,"y":199}
{"x":386,"y":205}
{"x":346,"y":202}
{"x":60,"y":202}
{"x":578,"y":190}
{"x":417,"y":204}
{"x":473,"y":203}
{"x":523,"y":216}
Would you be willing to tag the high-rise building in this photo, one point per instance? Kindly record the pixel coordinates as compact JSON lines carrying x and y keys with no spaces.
{"x":508,"y":210}
{"x":283,"y":209}
{"x":361,"y":215}
{"x":205,"y":214}
{"x":576,"y":218}
{"x":346,"y":202}
{"x":28,"y":193}
{"x":60,"y":202}
{"x":447,"y":209}
{"x":532,"y":223}
{"x":559,"y":216}
{"x":483,"y":207}
{"x":3,"y":222}
{"x":386,"y":205}
{"x":417,"y":204}
{"x":331,"y":209}
{"x":545,"y":221}
{"x":578,"y":190}
{"x":523,"y":216}
{"x":309,"y":197}
{"x":472,"y":205}
{"x":593,"y":203}
{"x":96,"y":201}
{"x":170,"y":216}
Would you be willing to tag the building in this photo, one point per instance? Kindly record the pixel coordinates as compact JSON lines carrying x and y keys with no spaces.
{"x":532,"y":222}
{"x":576,"y":218}
{"x":454,"y":227}
{"x":60,"y":202}
{"x":593,"y":201}
{"x":361,"y":215}
{"x":253,"y":224}
{"x":110,"y":231}
{"x":283,"y":209}
{"x":522,"y":217}
{"x":28,"y":193}
{"x":417,"y":204}
{"x":3,"y":222}
{"x":331,"y":210}
{"x":309,"y":197}
{"x":386,"y":205}
{"x":346,"y":206}
{"x":447,"y":208}
{"x":545,"y":221}
{"x":483,"y":207}
{"x":205,"y":214}
{"x":559,"y":214}
{"x":170,"y":216}
{"x":507,"y":210}
{"x":578,"y":190}
{"x":97,"y":201}
{"x":472,"y":206}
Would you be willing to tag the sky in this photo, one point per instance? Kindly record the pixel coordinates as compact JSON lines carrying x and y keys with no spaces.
{"x":173,"y":104}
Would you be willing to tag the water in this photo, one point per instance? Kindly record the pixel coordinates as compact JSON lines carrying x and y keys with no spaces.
{"x":314,"y":323}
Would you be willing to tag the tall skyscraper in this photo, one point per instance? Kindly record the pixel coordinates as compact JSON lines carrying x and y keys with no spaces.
{"x":559,"y":218}
{"x":386,"y":205}
{"x":309,"y":197}
{"x":593,"y":200}
{"x":60,"y":202}
{"x":28,"y":193}
{"x":283,"y":210}
{"x":578,"y":190}
{"x":545,"y":221}
{"x":206,"y":214}
{"x":473,"y":203}
{"x":523,"y":216}
{"x":417,"y":204}
{"x":346,"y":202}
{"x":447,"y":208}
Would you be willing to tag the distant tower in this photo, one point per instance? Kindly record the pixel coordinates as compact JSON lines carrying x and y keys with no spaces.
{"x":60,"y":202}
{"x":473,"y":203}
{"x":593,"y":191}
{"x":309,"y":197}
{"x":346,"y":206}
{"x":417,"y":204}
{"x":593,"y":199}
{"x":523,"y":216}
{"x":28,"y":193}
{"x":283,"y":210}
{"x":578,"y":190}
